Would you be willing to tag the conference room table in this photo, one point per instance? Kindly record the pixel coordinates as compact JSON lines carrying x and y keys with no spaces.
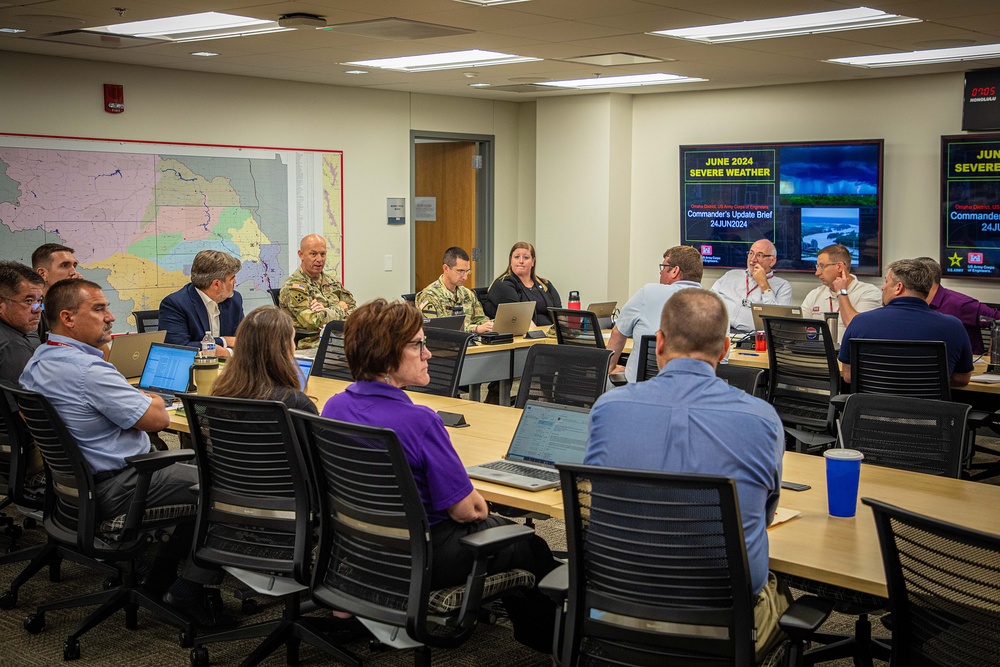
{"x":814,"y":545}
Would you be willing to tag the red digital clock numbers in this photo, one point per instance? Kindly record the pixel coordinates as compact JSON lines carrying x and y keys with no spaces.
{"x":984,"y":91}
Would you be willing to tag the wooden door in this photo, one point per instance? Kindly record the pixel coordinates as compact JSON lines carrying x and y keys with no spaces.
{"x":444,"y":171}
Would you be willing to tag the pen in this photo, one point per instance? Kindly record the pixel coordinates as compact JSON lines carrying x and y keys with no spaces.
{"x":749,"y":354}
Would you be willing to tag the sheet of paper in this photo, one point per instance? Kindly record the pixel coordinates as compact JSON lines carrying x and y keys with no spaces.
{"x":781,"y":515}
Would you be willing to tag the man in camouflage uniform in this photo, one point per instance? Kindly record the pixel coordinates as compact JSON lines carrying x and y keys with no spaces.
{"x":448,"y":296}
{"x":310,"y":295}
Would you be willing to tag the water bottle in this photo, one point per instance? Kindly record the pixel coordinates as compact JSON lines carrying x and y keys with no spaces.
{"x":207,"y":345}
{"x":573,"y":303}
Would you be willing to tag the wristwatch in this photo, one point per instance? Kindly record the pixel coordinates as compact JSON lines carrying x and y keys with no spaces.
{"x":843,"y":292}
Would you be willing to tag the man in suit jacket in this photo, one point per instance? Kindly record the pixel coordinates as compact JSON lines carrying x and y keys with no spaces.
{"x":209,"y":303}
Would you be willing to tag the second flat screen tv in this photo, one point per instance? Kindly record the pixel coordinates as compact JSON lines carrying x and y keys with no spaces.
{"x":802,"y":196}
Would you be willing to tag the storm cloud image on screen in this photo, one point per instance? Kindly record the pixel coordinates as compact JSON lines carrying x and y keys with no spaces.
{"x":834,"y":175}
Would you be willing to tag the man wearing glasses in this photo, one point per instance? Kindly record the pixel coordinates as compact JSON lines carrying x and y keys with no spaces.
{"x":448,"y":295}
{"x":757,"y":284}
{"x":21,"y":291}
{"x":841,"y":291}
{"x":681,"y":268}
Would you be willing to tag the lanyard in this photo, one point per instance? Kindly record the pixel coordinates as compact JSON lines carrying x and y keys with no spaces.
{"x":57,"y":343}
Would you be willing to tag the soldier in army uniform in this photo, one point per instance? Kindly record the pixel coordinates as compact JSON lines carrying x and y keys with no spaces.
{"x":310,"y":295}
{"x":448,"y":296}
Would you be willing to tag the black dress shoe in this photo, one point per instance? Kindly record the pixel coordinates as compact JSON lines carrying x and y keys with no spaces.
{"x":343,"y":629}
{"x":201,"y":612}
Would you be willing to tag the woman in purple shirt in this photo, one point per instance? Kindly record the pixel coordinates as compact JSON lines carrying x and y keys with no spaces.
{"x":386,"y":351}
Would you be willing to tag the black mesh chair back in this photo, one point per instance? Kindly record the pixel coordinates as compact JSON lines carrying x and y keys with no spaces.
{"x":646,"y":368}
{"x":481,"y":293}
{"x":253,"y":502}
{"x":901,"y":367}
{"x":944,"y":589}
{"x":907,"y":433}
{"x":274,"y":292}
{"x":803,"y":373}
{"x":658,"y":570}
{"x":331,"y":361}
{"x":410,"y":298}
{"x":577,"y":327}
{"x":146,"y":320}
{"x":16,"y":447}
{"x":563,"y":374}
{"x":750,"y":380}
{"x":447,"y":358}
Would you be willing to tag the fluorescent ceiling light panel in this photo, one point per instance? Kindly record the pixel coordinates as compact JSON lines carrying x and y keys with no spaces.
{"x":657,"y":79}
{"x":194,"y":27}
{"x":437,"y":61}
{"x":929,"y":57}
{"x":489,"y":3}
{"x":787,"y":26}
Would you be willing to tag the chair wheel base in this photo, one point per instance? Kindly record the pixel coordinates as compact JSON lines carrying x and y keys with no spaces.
{"x":8,"y":600}
{"x":199,"y":657}
{"x":186,"y":640}
{"x":71,"y":649}
{"x":34,"y":623}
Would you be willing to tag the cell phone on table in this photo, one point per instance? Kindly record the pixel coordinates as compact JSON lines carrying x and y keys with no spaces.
{"x":795,"y":486}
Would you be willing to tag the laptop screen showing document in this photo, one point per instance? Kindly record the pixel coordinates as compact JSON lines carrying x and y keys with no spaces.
{"x":167,"y":368}
{"x":550,"y":433}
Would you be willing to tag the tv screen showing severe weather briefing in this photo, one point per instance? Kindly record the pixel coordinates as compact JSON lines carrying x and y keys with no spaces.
{"x":970,"y":206}
{"x":801,"y":196}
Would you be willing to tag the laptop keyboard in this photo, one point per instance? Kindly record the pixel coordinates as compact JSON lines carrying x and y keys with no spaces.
{"x":526,"y":471}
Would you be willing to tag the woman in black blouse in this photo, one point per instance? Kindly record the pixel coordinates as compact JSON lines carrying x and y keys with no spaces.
{"x":519,"y":283}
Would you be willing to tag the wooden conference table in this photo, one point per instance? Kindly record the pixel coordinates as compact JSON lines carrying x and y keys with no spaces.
{"x":814,"y":545}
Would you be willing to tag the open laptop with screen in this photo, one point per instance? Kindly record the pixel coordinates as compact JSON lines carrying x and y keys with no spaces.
{"x":514,"y":318}
{"x":605,"y":311}
{"x":304,"y":366}
{"x":758,"y":309}
{"x":453,"y":322}
{"x":128,"y":352}
{"x":167,"y":370}
{"x":547,"y":434}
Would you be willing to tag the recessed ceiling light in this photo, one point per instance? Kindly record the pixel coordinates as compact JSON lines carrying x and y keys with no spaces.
{"x":12,"y":31}
{"x":929,"y":57}
{"x":355,"y":71}
{"x":206,"y":54}
{"x":612,"y":59}
{"x":479,"y":85}
{"x":786,"y":26}
{"x":194,"y":27}
{"x":438,"y":61}
{"x":489,"y":3}
{"x":622,"y":81}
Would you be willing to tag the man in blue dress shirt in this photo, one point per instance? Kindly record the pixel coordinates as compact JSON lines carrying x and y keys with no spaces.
{"x":686,"y":420}
{"x":209,"y":302}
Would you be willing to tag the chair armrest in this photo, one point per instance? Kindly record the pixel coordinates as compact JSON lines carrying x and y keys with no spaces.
{"x":487,"y":542}
{"x":153,"y":461}
{"x":839,"y":401}
{"x":555,"y":585}
{"x":618,"y":379}
{"x":803,"y":618}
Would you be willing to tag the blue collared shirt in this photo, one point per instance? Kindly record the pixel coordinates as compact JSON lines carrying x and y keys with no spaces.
{"x":686,"y":420}
{"x":640,"y":316}
{"x":97,"y":404}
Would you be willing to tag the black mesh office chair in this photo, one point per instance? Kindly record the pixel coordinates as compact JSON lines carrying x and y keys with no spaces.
{"x":750,"y":380}
{"x":803,"y":376}
{"x":146,"y":320}
{"x":447,"y":358}
{"x":658,"y":572}
{"x":410,"y":298}
{"x":563,"y":374}
{"x":646,"y":368}
{"x":901,"y":367}
{"x":70,"y":519}
{"x":375,"y":547}
{"x":331,"y":362}
{"x":944,"y":584}
{"x":254,"y":518}
{"x":274,"y":292}
{"x":577,"y":327}
{"x":18,"y":488}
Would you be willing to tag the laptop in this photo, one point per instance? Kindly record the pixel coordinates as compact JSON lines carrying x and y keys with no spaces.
{"x":167,"y":370}
{"x":128,"y":352}
{"x":605,"y":311}
{"x":453,"y":322}
{"x":305,"y":366}
{"x":514,"y":318}
{"x":546,"y":435}
{"x":758,"y":309}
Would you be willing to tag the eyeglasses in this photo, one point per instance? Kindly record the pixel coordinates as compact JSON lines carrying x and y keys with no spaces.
{"x":34,"y":304}
{"x":462,"y":272}
{"x":758,"y":255}
{"x":820,"y":267}
{"x":419,"y":344}
{"x":663,"y":267}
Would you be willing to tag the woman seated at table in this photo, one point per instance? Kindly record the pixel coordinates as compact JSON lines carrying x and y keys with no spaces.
{"x":265,"y":368}
{"x":386,"y":351}
{"x":519,"y":283}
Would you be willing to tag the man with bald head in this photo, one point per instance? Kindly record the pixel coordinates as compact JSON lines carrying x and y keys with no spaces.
{"x":311,"y":295}
{"x":686,"y":420}
{"x":756,"y":284}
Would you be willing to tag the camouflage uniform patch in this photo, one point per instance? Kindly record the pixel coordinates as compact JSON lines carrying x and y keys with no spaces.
{"x":436,"y":300}
{"x":300,"y":290}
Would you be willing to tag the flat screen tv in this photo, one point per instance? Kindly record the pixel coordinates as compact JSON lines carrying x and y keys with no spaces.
{"x":970,"y":206}
{"x":802,"y":196}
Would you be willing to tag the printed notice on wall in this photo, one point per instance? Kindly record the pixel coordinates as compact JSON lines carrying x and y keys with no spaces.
{"x":425,"y":209}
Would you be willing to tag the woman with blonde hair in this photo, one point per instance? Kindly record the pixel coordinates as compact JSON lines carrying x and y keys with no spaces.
{"x":520,"y":283}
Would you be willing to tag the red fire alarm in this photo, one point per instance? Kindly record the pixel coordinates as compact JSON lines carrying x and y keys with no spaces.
{"x":114,"y":98}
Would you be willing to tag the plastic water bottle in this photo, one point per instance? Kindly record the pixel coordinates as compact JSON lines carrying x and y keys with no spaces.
{"x":207,"y":345}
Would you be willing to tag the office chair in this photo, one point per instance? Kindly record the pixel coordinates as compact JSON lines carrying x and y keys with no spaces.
{"x":563,"y":374}
{"x":646,"y":367}
{"x":331,"y":362}
{"x":17,"y":487}
{"x":254,"y":518}
{"x":70,"y":519}
{"x":577,"y":327}
{"x":146,"y":320}
{"x":375,"y":546}
{"x":943,"y":581}
{"x":410,"y":298}
{"x":658,"y":572}
{"x":748,"y":379}
{"x":447,"y":358}
{"x":274,"y":292}
{"x":803,"y":376}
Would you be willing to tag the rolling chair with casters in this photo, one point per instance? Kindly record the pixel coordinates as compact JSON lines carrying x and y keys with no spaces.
{"x":750,"y":380}
{"x":18,"y":488}
{"x":447,"y":358}
{"x":647,"y":359}
{"x":255,"y":518}
{"x":375,"y":546}
{"x":583,"y":329}
{"x":275,"y":292}
{"x":70,"y":519}
{"x":331,"y":361}
{"x":563,"y":374}
{"x":409,"y":298}
{"x":146,"y":320}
